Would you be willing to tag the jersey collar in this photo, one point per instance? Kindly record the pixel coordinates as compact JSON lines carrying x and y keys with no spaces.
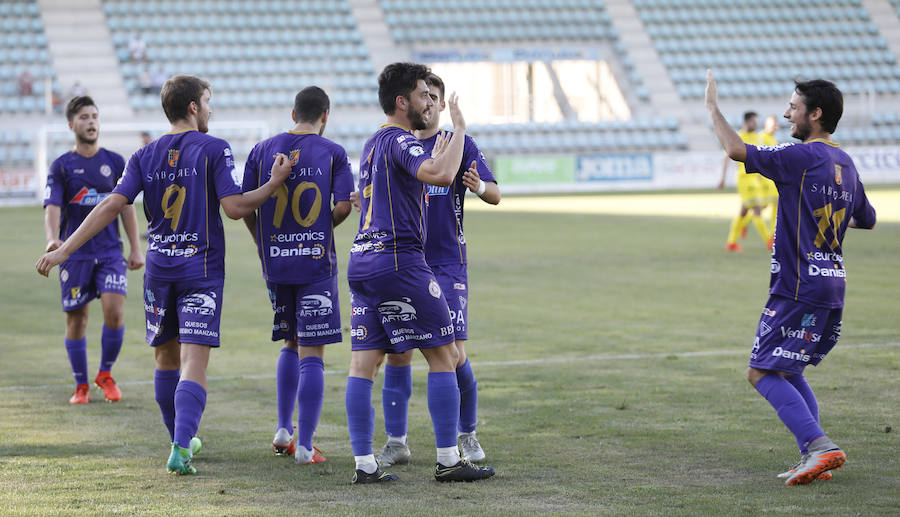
{"x":397,"y":126}
{"x":824,"y":141}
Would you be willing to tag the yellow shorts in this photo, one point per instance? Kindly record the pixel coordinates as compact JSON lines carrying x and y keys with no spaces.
{"x":768,"y":190}
{"x":750,"y":189}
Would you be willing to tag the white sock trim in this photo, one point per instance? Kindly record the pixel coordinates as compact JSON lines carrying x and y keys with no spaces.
{"x":366,"y":463}
{"x":448,"y":456}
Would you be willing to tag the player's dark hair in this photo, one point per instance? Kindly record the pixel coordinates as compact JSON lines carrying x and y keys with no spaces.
{"x":749,"y":114}
{"x":76,"y":104}
{"x":399,"y":79}
{"x":819,"y":93}
{"x":434,"y":81}
{"x":310,"y":103}
{"x":179,"y":92}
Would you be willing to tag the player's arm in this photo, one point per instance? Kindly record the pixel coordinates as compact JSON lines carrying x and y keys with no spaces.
{"x":340,"y":212}
{"x":51,"y":227}
{"x":728,"y":137}
{"x":238,"y":206}
{"x":103,"y":214}
{"x":863,"y":216}
{"x":250,"y":222}
{"x":488,"y":191}
{"x":129,"y":221}
{"x":446,"y":156}
{"x":725,"y":164}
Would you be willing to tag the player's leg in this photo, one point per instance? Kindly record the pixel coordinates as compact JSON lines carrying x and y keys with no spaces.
{"x":469,"y":446}
{"x":111,"y":280}
{"x":310,"y":396}
{"x":77,"y":290}
{"x":734,"y":231}
{"x":76,"y":349}
{"x":111,"y":343}
{"x":199,"y":307}
{"x":368,"y":342}
{"x":775,"y":354}
{"x":287,"y":379}
{"x":760,"y":224}
{"x":287,"y":370}
{"x":161,"y":322}
{"x":361,"y":415}
{"x":395,"y":402}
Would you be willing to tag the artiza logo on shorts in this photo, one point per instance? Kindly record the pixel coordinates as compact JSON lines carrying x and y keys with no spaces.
{"x":316,"y":305}
{"x":200,"y":304}
{"x":434,"y":289}
{"x":397,"y":310}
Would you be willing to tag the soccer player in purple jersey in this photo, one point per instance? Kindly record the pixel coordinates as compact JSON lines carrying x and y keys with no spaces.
{"x":445,"y":252}
{"x":299,"y":264}
{"x":185,"y":176}
{"x":819,"y":197}
{"x":396,"y":302}
{"x":78,"y":181}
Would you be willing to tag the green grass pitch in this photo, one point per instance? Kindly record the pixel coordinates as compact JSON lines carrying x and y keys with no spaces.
{"x":579,"y":325}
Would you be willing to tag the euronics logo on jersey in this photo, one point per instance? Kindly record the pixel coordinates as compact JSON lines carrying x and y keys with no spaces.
{"x":88,"y":197}
{"x":316,"y":305}
{"x":295,"y":157}
{"x":200,"y":303}
{"x":397,"y":310}
{"x":173,"y":157}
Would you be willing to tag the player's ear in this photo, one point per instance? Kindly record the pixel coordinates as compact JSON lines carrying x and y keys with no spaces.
{"x":816,"y":114}
{"x":325,"y":117}
{"x":401,"y":102}
{"x":294,"y":116}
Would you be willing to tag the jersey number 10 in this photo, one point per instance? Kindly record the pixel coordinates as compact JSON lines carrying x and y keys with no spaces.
{"x":281,"y":201}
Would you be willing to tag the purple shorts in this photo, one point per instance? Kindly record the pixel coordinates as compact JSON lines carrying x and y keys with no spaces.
{"x":309,"y":313}
{"x":189,"y":310}
{"x":83,"y":280}
{"x":454,"y":282}
{"x":793,"y":334}
{"x":399,"y":311}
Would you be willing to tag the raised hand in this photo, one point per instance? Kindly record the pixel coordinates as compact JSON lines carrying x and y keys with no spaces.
{"x":459,"y":123}
{"x":471,"y":179}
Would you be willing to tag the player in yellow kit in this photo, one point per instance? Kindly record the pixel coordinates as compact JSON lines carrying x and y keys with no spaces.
{"x":750,"y":190}
{"x":769,"y":191}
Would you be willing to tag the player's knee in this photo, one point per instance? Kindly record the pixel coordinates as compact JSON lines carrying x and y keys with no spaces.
{"x":312,"y":351}
{"x":114,"y":318}
{"x":754,"y":375}
{"x":400,"y":360}
{"x":291,"y":343}
{"x":76,"y":321}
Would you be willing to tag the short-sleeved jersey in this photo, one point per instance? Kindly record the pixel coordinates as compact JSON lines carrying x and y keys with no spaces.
{"x":445,"y":242}
{"x":748,"y":138}
{"x":819,"y":191}
{"x":77,"y":184}
{"x":183,"y":176}
{"x":294,"y":230}
{"x":392,"y":220}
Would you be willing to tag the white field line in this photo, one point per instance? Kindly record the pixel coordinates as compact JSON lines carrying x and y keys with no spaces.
{"x":524,"y":362}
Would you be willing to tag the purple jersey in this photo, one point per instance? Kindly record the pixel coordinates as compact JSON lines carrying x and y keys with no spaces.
{"x":446,"y":243}
{"x":392,"y":220}
{"x":294,"y":230}
{"x":183,"y":176}
{"x":77,"y":184}
{"x":818,"y":192}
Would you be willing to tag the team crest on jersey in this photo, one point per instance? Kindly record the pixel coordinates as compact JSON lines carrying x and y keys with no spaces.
{"x":434,"y":289}
{"x":295,"y":157}
{"x":173,"y":157}
{"x":105,"y":170}
{"x":837,"y":174}
{"x":64,"y":275}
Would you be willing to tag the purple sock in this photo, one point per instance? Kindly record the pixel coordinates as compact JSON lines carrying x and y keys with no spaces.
{"x":164,"y":383}
{"x":395,"y":398}
{"x":791,"y":408}
{"x":468,"y":398}
{"x":443,"y":404}
{"x":190,"y":401}
{"x":309,"y":396}
{"x":110,"y":344}
{"x":360,"y":415}
{"x":799,"y":382}
{"x":287,"y":375}
{"x":77,"y":350}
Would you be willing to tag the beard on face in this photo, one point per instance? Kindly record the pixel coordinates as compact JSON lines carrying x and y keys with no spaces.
{"x":417,"y":119}
{"x":85,"y":139}
{"x":802,"y":130}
